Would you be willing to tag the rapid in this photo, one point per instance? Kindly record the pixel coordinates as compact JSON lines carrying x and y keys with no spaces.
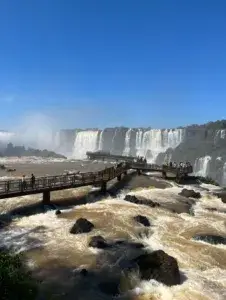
{"x":49,"y":247}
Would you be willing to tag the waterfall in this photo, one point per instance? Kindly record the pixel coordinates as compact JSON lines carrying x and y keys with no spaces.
{"x":126,"y":150}
{"x":155,"y":141}
{"x":201,"y":166}
{"x":101,"y":141}
{"x":85,"y":141}
{"x":113,"y":140}
{"x":139,"y":139}
{"x":219,"y":135}
{"x":224,"y":175}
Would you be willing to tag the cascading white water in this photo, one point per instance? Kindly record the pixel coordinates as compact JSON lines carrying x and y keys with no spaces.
{"x":219,"y":135}
{"x":201,"y":166}
{"x":101,"y":141}
{"x":127,"y":142}
{"x":224,"y":175}
{"x":156,"y":141}
{"x":85,"y":141}
{"x":139,"y":139}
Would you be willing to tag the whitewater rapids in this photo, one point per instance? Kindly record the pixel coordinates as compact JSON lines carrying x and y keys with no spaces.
{"x":48,"y":244}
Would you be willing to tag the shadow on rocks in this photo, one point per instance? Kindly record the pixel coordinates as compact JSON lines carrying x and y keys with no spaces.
{"x":119,"y":267}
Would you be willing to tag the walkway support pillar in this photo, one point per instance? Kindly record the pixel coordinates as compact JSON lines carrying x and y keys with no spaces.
{"x":119,"y":177}
{"x":46,"y":197}
{"x":138,"y":172}
{"x":164,"y":174}
{"x":103,"y":187}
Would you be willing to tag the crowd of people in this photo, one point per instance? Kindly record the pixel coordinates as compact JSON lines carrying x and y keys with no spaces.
{"x":141,"y":159}
{"x":178,"y":165}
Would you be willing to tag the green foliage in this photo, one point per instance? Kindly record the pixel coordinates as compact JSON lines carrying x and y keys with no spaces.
{"x":16,"y":282}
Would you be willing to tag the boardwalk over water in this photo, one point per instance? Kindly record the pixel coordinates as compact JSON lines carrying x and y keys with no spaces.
{"x":16,"y":188}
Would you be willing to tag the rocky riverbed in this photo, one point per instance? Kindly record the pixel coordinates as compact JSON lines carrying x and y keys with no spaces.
{"x":146,"y":239}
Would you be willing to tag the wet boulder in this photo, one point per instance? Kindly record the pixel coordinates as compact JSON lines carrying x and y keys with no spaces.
{"x":82,"y":225}
{"x":222,"y":196}
{"x":5,"y":220}
{"x":190,"y":193}
{"x":142,"y":220}
{"x":211,"y":239}
{"x":57,"y":212}
{"x":98,"y":241}
{"x":84,"y":272}
{"x":160,"y":266}
{"x":110,"y":288}
{"x":134,"y":199}
{"x":131,"y":245}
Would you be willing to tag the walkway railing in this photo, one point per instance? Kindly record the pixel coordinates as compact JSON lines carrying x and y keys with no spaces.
{"x":61,"y":181}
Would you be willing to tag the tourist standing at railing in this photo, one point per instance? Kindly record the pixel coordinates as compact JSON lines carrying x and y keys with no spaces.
{"x":7,"y":186}
{"x":24,"y":183}
{"x":32,"y":181}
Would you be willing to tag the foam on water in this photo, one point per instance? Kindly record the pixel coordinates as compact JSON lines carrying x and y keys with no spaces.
{"x":203,"y":265}
{"x":30,"y":159}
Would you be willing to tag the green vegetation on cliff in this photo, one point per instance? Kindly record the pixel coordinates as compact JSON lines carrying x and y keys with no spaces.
{"x":12,"y":150}
{"x":217,"y":125}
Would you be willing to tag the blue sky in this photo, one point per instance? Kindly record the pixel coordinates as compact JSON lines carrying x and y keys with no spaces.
{"x":102,"y":63}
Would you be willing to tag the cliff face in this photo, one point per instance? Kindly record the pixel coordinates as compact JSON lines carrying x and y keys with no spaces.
{"x":204,"y":146}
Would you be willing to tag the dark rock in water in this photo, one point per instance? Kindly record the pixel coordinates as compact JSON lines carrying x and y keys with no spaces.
{"x":110,"y":288}
{"x":134,"y":199}
{"x":5,"y":220}
{"x":136,"y":245}
{"x":190,"y":193}
{"x":215,"y":209}
{"x":84,"y":272}
{"x":211,"y":239}
{"x":124,"y":243}
{"x":160,"y":266}
{"x":98,"y":242}
{"x":211,"y":209}
{"x":222,"y":196}
{"x":142,"y":220}
{"x":57,"y":212}
{"x":82,"y":226}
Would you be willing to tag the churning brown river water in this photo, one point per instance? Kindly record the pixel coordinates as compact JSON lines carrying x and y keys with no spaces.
{"x":48,"y":245}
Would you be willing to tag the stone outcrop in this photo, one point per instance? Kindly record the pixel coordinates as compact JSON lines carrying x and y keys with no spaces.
{"x":160,"y":266}
{"x":82,"y":225}
{"x":98,"y":241}
{"x":142,"y":220}
{"x":190,"y":194}
{"x":134,"y":199}
{"x":211,"y":239}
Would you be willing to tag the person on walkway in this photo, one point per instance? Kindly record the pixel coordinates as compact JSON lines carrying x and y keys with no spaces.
{"x":7,"y":186}
{"x":32,"y":180}
{"x":24,"y":183}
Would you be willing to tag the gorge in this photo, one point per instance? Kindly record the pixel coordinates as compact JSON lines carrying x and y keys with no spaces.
{"x":202,"y":145}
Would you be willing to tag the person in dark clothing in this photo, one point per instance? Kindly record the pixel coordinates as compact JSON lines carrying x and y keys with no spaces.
{"x":7,"y":186}
{"x":32,"y":181}
{"x":24,"y":183}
